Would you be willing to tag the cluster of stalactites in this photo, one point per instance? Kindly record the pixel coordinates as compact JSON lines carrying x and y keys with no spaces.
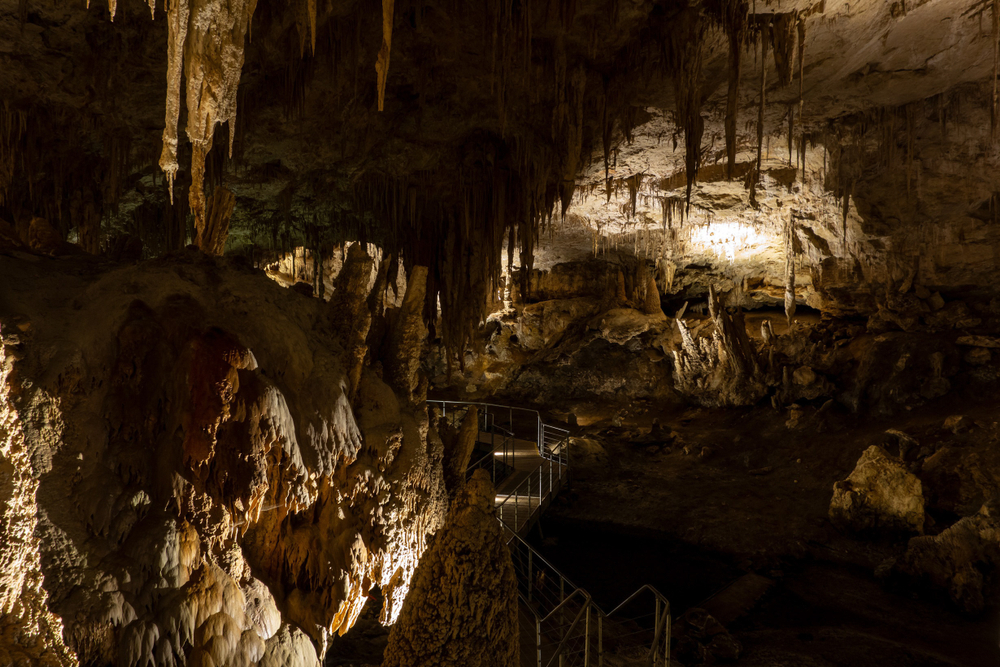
{"x":459,"y":233}
{"x":113,"y":7}
{"x":205,"y":43}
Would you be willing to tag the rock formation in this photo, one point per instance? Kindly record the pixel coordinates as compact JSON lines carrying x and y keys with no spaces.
{"x":463,"y":610}
{"x":725,"y":370}
{"x":29,"y":633}
{"x":809,"y":188}
{"x":962,"y":562}
{"x":880,"y":494}
{"x":200,"y":419}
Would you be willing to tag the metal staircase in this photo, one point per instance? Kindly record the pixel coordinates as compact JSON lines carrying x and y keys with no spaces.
{"x":560,"y":624}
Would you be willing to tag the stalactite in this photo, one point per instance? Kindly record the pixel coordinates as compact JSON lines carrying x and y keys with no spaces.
{"x":687,"y":90}
{"x":783,"y":41}
{"x":995,"y":109}
{"x":736,"y":38}
{"x":754,"y":178}
{"x":791,"y":131}
{"x":790,"y":269}
{"x":382,"y":64}
{"x":802,"y":58}
{"x":205,"y":40}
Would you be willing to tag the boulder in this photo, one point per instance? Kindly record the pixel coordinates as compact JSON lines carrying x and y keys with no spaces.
{"x":978,"y":341}
{"x":880,"y":494}
{"x":960,"y":479}
{"x":962,"y":561}
{"x":43,"y":237}
{"x":589,"y":457}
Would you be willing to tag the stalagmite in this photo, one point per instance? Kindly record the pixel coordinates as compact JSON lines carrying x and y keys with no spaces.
{"x":651,"y":304}
{"x":402,"y":360}
{"x":723,"y":370}
{"x":462,"y":611}
{"x":212,"y":238}
{"x":349,"y":311}
{"x":458,"y":445}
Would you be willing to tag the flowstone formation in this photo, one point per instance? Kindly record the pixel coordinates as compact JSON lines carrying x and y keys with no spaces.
{"x":206,"y":492}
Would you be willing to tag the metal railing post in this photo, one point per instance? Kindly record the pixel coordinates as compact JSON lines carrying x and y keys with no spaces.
{"x":530,"y":582}
{"x":562,"y":614}
{"x":666,"y":639}
{"x":586,"y":643}
{"x":600,"y":640}
{"x":656,"y":649}
{"x":538,"y":639}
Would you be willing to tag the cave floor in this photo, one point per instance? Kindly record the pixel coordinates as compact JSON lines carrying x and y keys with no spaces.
{"x":716,"y":493}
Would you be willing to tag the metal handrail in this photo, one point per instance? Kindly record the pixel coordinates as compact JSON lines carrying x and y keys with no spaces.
{"x":576,"y":620}
{"x":663,"y":621}
{"x":550,"y":444}
{"x":642,"y":588}
{"x":492,"y":405}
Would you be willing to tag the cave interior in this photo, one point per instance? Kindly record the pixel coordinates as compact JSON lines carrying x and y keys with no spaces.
{"x":426,"y":332}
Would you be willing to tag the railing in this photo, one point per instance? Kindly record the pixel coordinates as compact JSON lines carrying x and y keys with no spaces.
{"x":569,"y":629}
{"x":549,"y":452}
{"x":560,"y":624}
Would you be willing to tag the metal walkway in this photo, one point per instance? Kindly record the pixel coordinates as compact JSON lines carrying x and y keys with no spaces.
{"x":560,"y":624}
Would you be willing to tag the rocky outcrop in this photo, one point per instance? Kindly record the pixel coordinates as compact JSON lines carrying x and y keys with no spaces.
{"x":203,"y":483}
{"x":463,"y":611}
{"x":880,"y":494}
{"x":961,"y":562}
{"x":620,"y":325}
{"x":29,"y":633}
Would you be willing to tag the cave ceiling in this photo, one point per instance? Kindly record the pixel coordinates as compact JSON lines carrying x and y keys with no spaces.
{"x":493,"y":114}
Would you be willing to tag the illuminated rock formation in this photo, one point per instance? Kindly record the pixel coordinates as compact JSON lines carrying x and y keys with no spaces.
{"x":29,"y":633}
{"x":200,"y":469}
{"x":463,"y":608}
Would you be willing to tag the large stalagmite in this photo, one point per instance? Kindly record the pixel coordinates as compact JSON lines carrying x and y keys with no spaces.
{"x":463,"y":611}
